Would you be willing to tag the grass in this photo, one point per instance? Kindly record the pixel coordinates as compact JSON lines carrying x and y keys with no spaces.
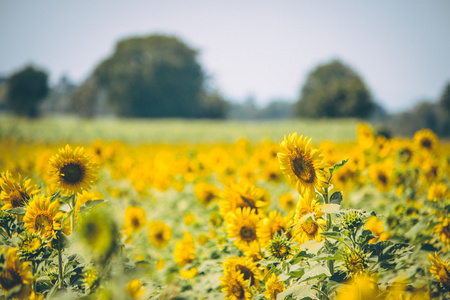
{"x":71,"y":129}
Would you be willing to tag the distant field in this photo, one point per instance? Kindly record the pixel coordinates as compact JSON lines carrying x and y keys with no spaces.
{"x":72,"y":129}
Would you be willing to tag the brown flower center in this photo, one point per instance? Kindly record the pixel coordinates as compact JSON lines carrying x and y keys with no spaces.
{"x":248,"y":234}
{"x":426,"y":143}
{"x":303,"y":168}
{"x":237,"y":290}
{"x":309,"y":227}
{"x":248,"y":274}
{"x":43,"y":221}
{"x":72,"y":173}
{"x":9,"y":278}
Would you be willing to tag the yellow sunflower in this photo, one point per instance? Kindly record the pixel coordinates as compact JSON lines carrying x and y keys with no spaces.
{"x":43,"y":216}
{"x":159,"y":234}
{"x":234,"y":286}
{"x":184,"y":253}
{"x":360,"y":287}
{"x":15,"y":193}
{"x":287,"y":202}
{"x":437,"y":191}
{"x":273,"y":287}
{"x":425,"y":140}
{"x":206,"y":192}
{"x":134,"y":219}
{"x":242,"y":225}
{"x":355,"y":263}
{"x":381,"y":175}
{"x":243,"y":195}
{"x":73,"y":170}
{"x":440,"y":269}
{"x":16,"y":273}
{"x":31,"y":243}
{"x":135,"y":289}
{"x":84,"y":197}
{"x":302,"y":164}
{"x":246,"y":266}
{"x":443,"y":231}
{"x":376,"y":226}
{"x":365,"y":136}
{"x":274,"y":223}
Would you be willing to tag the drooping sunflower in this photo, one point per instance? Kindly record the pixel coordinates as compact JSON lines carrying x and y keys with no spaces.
{"x":16,"y":273}
{"x":242,"y":225}
{"x":235,"y":286}
{"x":274,"y":223}
{"x":443,"y":231}
{"x":43,"y":216}
{"x":273,"y":287}
{"x":243,"y":195}
{"x":15,"y":193}
{"x":246,"y":266}
{"x":159,"y":234}
{"x":73,"y":170}
{"x":425,"y":140}
{"x":302,"y":164}
{"x":134,"y":219}
{"x":440,"y":269}
{"x":184,"y":253}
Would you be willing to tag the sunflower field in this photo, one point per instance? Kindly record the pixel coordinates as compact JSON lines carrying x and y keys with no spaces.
{"x":274,"y":219}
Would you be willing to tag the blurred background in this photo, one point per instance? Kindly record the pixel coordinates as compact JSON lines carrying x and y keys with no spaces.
{"x":385,"y":63}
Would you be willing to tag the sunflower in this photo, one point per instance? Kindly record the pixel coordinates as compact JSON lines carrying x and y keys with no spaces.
{"x":73,"y":170}
{"x":287,"y":201}
{"x":243,"y":195}
{"x":443,"y":231}
{"x":381,"y":175}
{"x":189,"y":274}
{"x":437,"y":191}
{"x":360,"y":287}
{"x":134,"y":219}
{"x":31,"y":243}
{"x":184,"y":253}
{"x":268,"y":227}
{"x":302,"y":164}
{"x":425,"y":140}
{"x":376,"y":226}
{"x":279,"y":248}
{"x":43,"y":216}
{"x":242,"y":225}
{"x":273,"y":287}
{"x":440,"y":269}
{"x":355,"y":263}
{"x":15,"y":193}
{"x":235,"y":286}
{"x":159,"y":234}
{"x":16,"y":273}
{"x":84,"y":197}
{"x":246,"y":266}
{"x":135,"y":289}
{"x":365,"y":136}
{"x":254,"y":252}
{"x":305,"y":229}
{"x":206,"y":192}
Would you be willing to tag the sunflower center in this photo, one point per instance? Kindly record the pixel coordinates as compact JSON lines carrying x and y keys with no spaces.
{"x":248,"y":274}
{"x":309,"y":227}
{"x":382,"y":178}
{"x":303,"y":169}
{"x":159,"y":236}
{"x":247,"y":202}
{"x":237,"y":290}
{"x":136,"y":223}
{"x":276,"y":290}
{"x":426,"y":143}
{"x":209,"y":197}
{"x":10,"y":278}
{"x":18,"y":198}
{"x":247,"y":233}
{"x":72,"y":173}
{"x":43,"y":221}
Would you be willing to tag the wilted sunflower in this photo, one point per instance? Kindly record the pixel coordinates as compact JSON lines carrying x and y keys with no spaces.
{"x":235,"y":286}
{"x":425,"y":140}
{"x":15,"y":193}
{"x":242,"y":225}
{"x":184,"y":253}
{"x":440,"y":269}
{"x":159,"y":234}
{"x":443,"y":231}
{"x":273,"y":287}
{"x":16,"y":273}
{"x":43,"y":216}
{"x":302,"y":164}
{"x":73,"y":170}
{"x":246,"y":266}
{"x":134,"y":219}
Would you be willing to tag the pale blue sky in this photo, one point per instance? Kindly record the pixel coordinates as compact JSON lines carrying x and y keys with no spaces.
{"x":260,"y":48}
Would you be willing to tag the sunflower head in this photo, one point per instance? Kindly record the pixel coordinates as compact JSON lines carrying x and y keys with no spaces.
{"x":242,"y":225}
{"x":440,"y":269}
{"x":302,"y":164}
{"x":31,"y":244}
{"x":355,"y":262}
{"x":184,"y":253}
{"x":16,"y":193}
{"x":135,"y":289}
{"x":134,"y":219}
{"x":16,"y":273}
{"x":73,"y":170}
{"x":273,"y":286}
{"x":425,"y":140}
{"x":351,"y":220}
{"x":443,"y":231}
{"x":159,"y":234}
{"x":43,"y":216}
{"x":279,"y":248}
{"x":234,"y":286}
{"x":246,"y":267}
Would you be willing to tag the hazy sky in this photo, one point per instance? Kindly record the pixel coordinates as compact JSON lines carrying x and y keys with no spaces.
{"x":260,"y":48}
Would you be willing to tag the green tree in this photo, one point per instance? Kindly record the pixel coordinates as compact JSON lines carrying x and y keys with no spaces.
{"x":25,"y":90}
{"x":334,"y":90}
{"x":444,"y":101}
{"x":154,"y":76}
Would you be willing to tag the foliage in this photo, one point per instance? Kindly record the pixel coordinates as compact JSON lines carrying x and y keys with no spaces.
{"x":334,"y":90}
{"x":25,"y":90}
{"x":444,"y":100}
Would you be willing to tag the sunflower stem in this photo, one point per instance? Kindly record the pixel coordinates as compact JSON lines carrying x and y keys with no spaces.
{"x":60,"y":260}
{"x":72,"y":217}
{"x":330,"y":262}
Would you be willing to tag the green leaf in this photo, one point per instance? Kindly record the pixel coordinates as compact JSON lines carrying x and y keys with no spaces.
{"x":12,"y":292}
{"x":337,"y":166}
{"x":295,"y":290}
{"x":336,"y":197}
{"x":328,"y":256}
{"x":67,"y":199}
{"x":331,"y":208}
{"x":338,"y":236}
{"x":17,"y":211}
{"x":91,"y":204}
{"x":315,"y":272}
{"x":297,"y":274}
{"x":312,"y":246}
{"x":55,"y":195}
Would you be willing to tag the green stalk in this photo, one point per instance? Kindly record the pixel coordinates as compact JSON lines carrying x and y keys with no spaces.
{"x":330,"y":262}
{"x":72,"y":217}
{"x":60,"y":261}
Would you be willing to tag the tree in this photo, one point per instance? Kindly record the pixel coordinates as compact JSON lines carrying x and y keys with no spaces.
{"x":444,"y":102}
{"x":334,"y":90}
{"x":154,"y":76}
{"x":25,"y":90}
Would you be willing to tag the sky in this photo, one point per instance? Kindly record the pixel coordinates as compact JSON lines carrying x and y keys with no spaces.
{"x":260,"y":49}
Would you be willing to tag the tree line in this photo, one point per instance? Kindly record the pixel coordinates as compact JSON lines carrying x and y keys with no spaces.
{"x":160,"y":76}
